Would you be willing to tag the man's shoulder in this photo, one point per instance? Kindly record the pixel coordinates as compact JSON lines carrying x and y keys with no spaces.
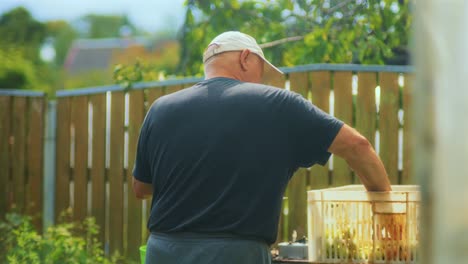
{"x":239,"y":88}
{"x":260,"y":86}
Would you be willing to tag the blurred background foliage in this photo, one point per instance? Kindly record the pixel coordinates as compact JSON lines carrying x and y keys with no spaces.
{"x":312,"y":31}
{"x":40,"y":54}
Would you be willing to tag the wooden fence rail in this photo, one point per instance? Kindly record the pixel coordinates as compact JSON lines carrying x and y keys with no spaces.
{"x":97,"y":131}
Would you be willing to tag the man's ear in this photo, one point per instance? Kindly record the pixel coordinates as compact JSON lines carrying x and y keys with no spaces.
{"x":243,"y":59}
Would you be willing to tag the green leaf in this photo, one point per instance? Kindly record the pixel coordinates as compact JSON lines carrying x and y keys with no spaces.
{"x":349,"y":38}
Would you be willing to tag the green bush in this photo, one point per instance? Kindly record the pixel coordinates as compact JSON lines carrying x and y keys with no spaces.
{"x":16,"y":72}
{"x":62,"y":243}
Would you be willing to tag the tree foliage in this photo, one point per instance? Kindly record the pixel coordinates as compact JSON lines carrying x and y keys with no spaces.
{"x":161,"y":58}
{"x":62,"y":35}
{"x":23,"y":38}
{"x":105,"y":26}
{"x":15,"y":70}
{"x":20,"y":42}
{"x":329,"y":31}
{"x":66,"y":242}
{"x":18,"y":28}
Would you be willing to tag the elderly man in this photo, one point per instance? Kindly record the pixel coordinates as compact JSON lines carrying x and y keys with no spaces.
{"x":216,"y":158}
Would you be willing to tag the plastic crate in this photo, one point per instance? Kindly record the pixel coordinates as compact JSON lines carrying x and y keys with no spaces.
{"x":350,"y":225}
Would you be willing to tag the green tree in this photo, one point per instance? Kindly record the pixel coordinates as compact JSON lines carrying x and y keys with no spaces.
{"x":16,"y":72}
{"x":22,"y":37}
{"x":62,"y":35}
{"x":302,"y":31}
{"x":106,"y":26}
{"x":18,"y":28}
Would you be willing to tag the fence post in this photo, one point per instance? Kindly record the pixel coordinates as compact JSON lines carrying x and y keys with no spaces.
{"x":49,"y":164}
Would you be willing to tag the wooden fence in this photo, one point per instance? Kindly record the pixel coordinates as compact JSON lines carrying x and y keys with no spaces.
{"x":21,"y":152}
{"x":97,"y":133}
{"x":97,"y":130}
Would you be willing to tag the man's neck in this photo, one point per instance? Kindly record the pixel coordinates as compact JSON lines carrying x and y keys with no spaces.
{"x":221,"y":71}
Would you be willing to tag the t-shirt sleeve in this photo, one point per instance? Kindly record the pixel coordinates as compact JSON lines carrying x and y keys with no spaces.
{"x":311,"y":131}
{"x":141,"y":169}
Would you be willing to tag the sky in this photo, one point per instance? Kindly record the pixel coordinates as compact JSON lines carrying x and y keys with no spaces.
{"x":150,"y":15}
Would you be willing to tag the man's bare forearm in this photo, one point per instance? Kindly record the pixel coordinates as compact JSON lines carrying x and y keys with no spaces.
{"x":370,"y":169}
{"x":361,"y":157}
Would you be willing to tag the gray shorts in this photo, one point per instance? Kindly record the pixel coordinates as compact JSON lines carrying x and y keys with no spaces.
{"x":190,"y":248}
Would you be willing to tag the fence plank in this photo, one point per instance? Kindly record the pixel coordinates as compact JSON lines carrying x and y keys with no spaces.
{"x":273,"y":78}
{"x":343,"y":110}
{"x":19,"y":151}
{"x":284,"y":217}
{"x":62,"y":180}
{"x":5,"y":120}
{"x":408,"y":173}
{"x":173,"y":88}
{"x":35,"y":160}
{"x":146,"y":214}
{"x":321,"y":98}
{"x":297,"y":187}
{"x":154,"y":93}
{"x":299,"y":83}
{"x":297,"y":203}
{"x":188,"y":85}
{"x":281,"y":228}
{"x":366,"y":107}
{"x":116,"y":177}
{"x":134,"y":212}
{"x":79,"y":113}
{"x":388,"y":124}
{"x":98,"y":163}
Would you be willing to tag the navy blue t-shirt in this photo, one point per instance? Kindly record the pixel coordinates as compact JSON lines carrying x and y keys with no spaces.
{"x":220,"y":154}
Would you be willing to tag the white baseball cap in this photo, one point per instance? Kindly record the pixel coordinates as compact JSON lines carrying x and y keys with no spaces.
{"x":235,"y":41}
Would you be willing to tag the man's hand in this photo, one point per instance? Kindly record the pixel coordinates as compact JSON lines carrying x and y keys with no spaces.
{"x":142,"y":190}
{"x":391,"y":236}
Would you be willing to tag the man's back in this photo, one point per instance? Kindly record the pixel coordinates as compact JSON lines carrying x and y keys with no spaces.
{"x":216,"y":158}
{"x":219,"y":156}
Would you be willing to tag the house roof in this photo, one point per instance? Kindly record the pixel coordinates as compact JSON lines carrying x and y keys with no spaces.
{"x":96,"y":54}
